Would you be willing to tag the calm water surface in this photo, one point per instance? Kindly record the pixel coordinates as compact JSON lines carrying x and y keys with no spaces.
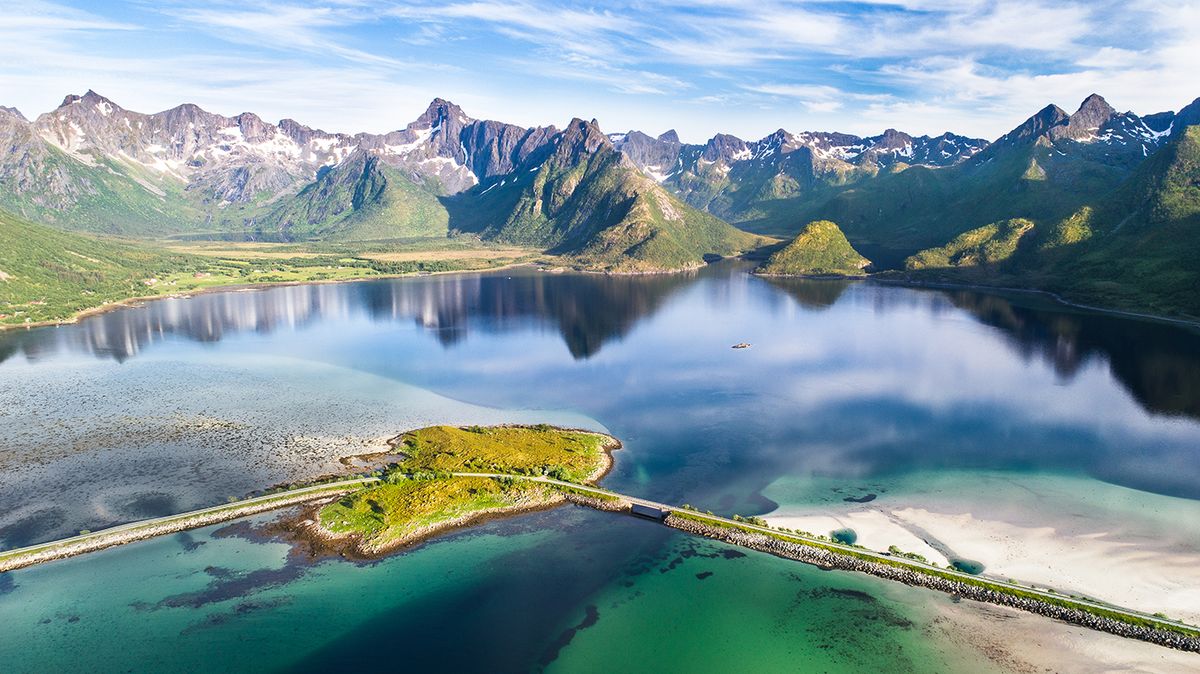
{"x":847,"y":386}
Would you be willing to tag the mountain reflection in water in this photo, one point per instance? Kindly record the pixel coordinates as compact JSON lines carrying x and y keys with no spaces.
{"x":589,"y":310}
{"x":1159,"y":364}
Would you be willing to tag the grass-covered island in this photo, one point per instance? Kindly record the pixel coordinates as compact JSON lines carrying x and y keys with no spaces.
{"x":820,"y":249}
{"x":449,"y":476}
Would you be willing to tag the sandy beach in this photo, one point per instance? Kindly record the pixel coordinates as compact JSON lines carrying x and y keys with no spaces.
{"x":1016,"y":641}
{"x":1136,"y":550}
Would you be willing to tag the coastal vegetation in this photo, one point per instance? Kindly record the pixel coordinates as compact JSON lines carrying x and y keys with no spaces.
{"x":820,"y":249}
{"x":402,"y":509}
{"x":449,"y":476}
{"x":983,"y":246}
{"x":562,"y":454}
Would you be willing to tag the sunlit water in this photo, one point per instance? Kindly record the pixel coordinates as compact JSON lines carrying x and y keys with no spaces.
{"x":187,"y":402}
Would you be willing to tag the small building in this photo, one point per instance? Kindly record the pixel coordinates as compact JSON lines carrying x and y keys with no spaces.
{"x":649,"y":512}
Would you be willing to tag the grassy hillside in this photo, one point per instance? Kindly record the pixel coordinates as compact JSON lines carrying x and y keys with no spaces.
{"x":1138,"y":250}
{"x":819,"y":249}
{"x":46,"y":274}
{"x":983,"y":246}
{"x":51,"y":275}
{"x":1132,"y":247}
{"x":361,"y":199}
{"x":901,"y":212}
{"x":111,"y":197}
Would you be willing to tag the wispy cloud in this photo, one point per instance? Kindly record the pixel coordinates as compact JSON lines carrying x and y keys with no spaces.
{"x":702,"y":66}
{"x":39,"y":17}
{"x":285,"y":27}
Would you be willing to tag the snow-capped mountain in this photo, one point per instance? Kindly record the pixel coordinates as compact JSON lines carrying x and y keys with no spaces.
{"x":664,"y":156}
{"x":240,"y":158}
{"x":1097,"y":130}
{"x":92,"y":164}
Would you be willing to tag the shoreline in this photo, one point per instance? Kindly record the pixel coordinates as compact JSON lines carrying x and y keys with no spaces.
{"x":882,"y":279}
{"x":1056,"y":297}
{"x":350,"y":546}
{"x":1066,"y":533}
{"x":545,"y":267}
{"x":829,"y":555}
{"x":12,"y":560}
{"x":830,"y":559}
{"x":307,"y":526}
{"x":1094,"y":562}
{"x":130,"y":302}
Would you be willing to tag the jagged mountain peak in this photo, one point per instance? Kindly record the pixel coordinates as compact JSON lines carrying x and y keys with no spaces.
{"x":1095,"y":104}
{"x":253,"y":128}
{"x":90,"y":100}
{"x":13,"y":112}
{"x":724,"y":147}
{"x":892,"y":139}
{"x":1035,"y":127}
{"x":1189,"y":115}
{"x":669,"y":136}
{"x":780,"y":135}
{"x":1093,"y":113}
{"x":186,"y":111}
{"x":584,"y":136}
{"x":440,"y":111}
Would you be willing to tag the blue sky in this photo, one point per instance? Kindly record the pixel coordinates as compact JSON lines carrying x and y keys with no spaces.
{"x":700,"y":66}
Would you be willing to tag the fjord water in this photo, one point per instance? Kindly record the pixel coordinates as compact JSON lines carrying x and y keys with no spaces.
{"x":848,"y":388}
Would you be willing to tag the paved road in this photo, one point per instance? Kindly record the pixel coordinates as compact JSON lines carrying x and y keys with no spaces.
{"x":347,"y":484}
{"x":101,"y":534}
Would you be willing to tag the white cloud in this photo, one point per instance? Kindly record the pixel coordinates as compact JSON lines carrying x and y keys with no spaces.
{"x":745,"y":67}
{"x":284,"y":27}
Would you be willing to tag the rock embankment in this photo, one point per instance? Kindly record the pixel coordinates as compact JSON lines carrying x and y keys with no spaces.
{"x":607,"y":505}
{"x":169,"y":525}
{"x":834,"y":560}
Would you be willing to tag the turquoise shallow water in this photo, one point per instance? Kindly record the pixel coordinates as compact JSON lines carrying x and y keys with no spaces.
{"x":846,"y":385}
{"x":568,"y":591}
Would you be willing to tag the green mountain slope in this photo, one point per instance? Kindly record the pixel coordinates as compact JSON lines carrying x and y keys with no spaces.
{"x":47,"y":274}
{"x":984,"y":246}
{"x":363,"y":198}
{"x":1132,"y":248}
{"x":1141,"y":252}
{"x":583,"y":199}
{"x":110,"y":197}
{"x":1045,"y":170}
{"x":820,"y":249}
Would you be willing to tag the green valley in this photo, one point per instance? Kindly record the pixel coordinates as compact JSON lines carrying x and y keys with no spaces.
{"x":48,"y":275}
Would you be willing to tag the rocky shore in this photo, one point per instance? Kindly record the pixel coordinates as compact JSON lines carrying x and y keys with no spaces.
{"x":607,"y":505}
{"x":353,"y":546}
{"x":834,"y":560}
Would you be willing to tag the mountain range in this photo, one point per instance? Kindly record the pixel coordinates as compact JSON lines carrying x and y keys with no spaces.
{"x":1058,"y":202}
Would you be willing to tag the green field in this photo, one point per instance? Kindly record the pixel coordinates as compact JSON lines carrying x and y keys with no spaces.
{"x":47,"y":275}
{"x":390,"y":514}
{"x":419,"y":495}
{"x":571,"y":456}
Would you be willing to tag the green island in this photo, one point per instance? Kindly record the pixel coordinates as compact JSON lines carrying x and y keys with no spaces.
{"x":448,"y":477}
{"x":820,"y":249}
